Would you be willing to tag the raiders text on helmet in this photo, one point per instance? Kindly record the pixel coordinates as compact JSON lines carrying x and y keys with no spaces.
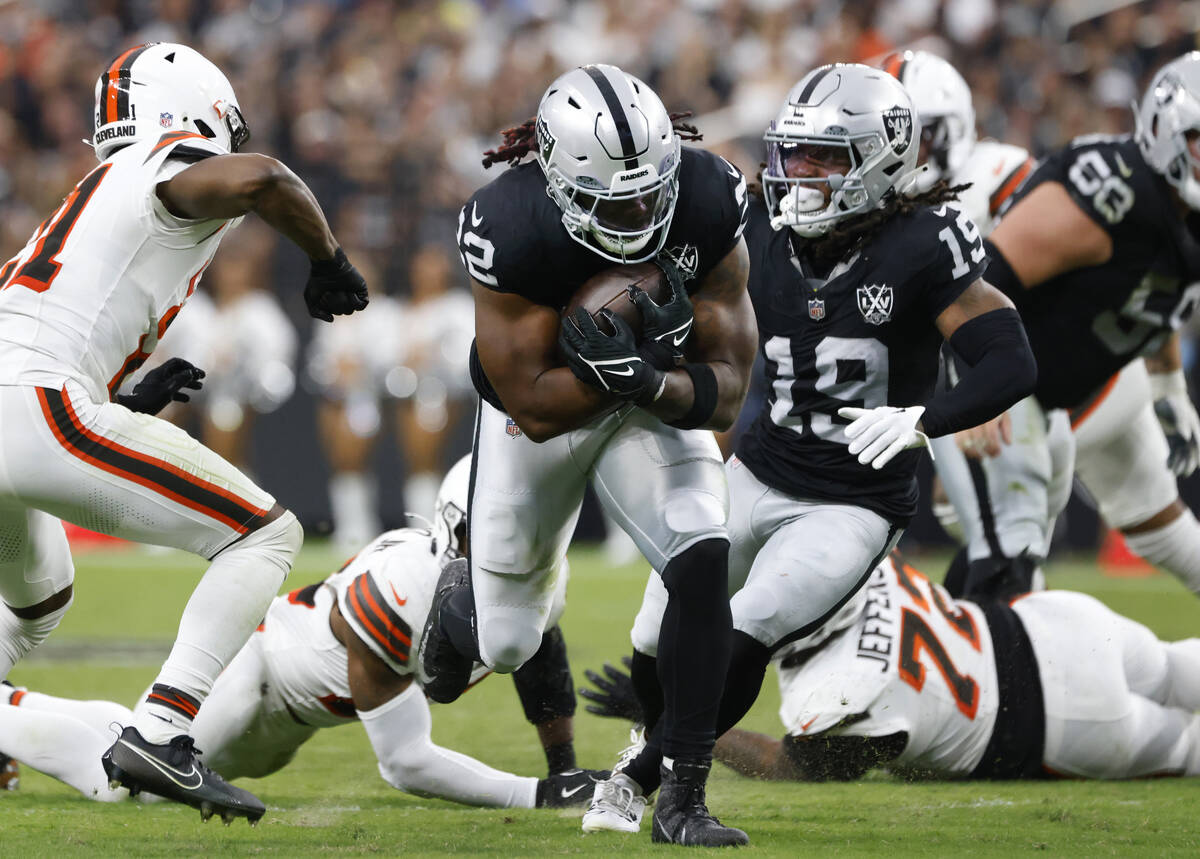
{"x":944,"y":109}
{"x":611,"y":159}
{"x":161,"y":87}
{"x":854,"y":107}
{"x":1170,"y":109}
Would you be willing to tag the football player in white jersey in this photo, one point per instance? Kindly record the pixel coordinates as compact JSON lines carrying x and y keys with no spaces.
{"x":326,"y":655}
{"x":83,"y":305}
{"x":1131,"y":438}
{"x":906,"y":677}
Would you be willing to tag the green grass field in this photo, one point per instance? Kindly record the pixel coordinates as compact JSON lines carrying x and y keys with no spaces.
{"x":331,"y":799}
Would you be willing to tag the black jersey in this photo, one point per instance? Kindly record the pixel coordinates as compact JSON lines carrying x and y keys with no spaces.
{"x":1087,"y":324}
{"x":512,"y":239}
{"x":863,"y":336}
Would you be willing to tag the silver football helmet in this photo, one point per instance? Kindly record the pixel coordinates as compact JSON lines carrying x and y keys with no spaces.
{"x":944,"y":109}
{"x":450,"y":512}
{"x":1170,"y":109}
{"x":160,"y":87}
{"x":611,"y":159}
{"x":850,"y":107}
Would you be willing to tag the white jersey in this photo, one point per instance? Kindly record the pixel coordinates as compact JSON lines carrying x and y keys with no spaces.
{"x":99,"y":282}
{"x":915,"y":662}
{"x":995,"y":170}
{"x":386,"y":591}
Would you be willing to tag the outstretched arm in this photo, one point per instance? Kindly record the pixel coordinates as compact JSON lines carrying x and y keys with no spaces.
{"x":229,"y":186}
{"x":396,"y":716}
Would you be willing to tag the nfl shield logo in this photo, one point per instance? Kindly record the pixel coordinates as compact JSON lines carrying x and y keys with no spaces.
{"x":166,"y":120}
{"x":816,"y":309}
{"x":512,"y":429}
{"x":875,"y":302}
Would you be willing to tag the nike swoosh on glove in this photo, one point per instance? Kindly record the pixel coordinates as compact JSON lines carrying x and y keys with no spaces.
{"x":334,"y":288}
{"x":665,"y":327}
{"x":877,"y":435}
{"x":609,"y":362}
{"x":162,"y":385}
{"x":1179,"y":420}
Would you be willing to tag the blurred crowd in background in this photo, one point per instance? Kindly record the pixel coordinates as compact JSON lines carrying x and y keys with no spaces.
{"x":384,"y":107}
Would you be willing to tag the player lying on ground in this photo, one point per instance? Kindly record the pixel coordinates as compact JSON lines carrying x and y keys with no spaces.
{"x":908,"y":678}
{"x":324,"y":656}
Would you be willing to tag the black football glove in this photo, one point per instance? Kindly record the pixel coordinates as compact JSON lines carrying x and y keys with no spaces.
{"x":573,"y":787}
{"x":162,"y":385}
{"x":613,"y":696}
{"x":334,"y":288}
{"x":610,"y":363}
{"x":665,"y":327}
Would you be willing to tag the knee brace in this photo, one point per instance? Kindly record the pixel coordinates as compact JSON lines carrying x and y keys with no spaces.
{"x":544,"y":682}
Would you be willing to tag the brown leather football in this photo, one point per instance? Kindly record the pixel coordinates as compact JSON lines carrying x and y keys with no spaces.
{"x":609,"y":289}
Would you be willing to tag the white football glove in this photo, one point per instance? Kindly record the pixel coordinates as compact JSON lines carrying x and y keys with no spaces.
{"x":1179,"y":420}
{"x":877,"y":435}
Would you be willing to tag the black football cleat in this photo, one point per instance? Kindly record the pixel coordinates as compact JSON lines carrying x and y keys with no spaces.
{"x":171,"y":770}
{"x":681,"y":816}
{"x":445,"y":672}
{"x":571,"y":787}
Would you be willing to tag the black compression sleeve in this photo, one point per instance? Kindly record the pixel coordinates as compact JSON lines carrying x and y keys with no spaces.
{"x":1000,"y":274}
{"x":1002,"y":371}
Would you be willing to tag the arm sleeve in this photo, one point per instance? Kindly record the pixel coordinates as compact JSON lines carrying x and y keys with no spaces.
{"x":1002,"y":371}
{"x":399,"y":732}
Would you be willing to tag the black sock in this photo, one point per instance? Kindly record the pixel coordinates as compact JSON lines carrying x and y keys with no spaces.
{"x":743,"y":681}
{"x":694,"y":648}
{"x":560,"y":757}
{"x":458,"y":623}
{"x":643,"y":671}
{"x":955,"y":581}
{"x":747,"y":667}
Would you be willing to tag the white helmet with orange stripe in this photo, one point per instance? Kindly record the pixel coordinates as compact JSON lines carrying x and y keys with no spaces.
{"x":944,"y":106}
{"x":160,"y":87}
{"x":450,"y":512}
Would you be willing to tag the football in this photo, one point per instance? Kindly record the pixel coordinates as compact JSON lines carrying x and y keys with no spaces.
{"x":609,"y":289}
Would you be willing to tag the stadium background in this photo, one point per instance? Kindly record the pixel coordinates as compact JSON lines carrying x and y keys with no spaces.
{"x":384,"y":108}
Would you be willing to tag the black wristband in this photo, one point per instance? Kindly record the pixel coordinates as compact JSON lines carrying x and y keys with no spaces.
{"x":1001,"y":275}
{"x":704,"y":397}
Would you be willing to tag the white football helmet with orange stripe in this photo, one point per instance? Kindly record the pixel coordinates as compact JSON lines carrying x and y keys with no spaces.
{"x":160,"y":87}
{"x":450,"y":512}
{"x":944,"y":106}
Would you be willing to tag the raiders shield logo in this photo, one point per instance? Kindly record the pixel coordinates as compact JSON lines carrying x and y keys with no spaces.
{"x":897,"y":121}
{"x":686,"y":259}
{"x":545,"y":139}
{"x":816,"y":309}
{"x":875,"y":302}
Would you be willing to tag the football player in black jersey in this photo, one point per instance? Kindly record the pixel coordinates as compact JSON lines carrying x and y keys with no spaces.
{"x":1100,"y":253}
{"x":856,"y":280}
{"x":565,"y":403}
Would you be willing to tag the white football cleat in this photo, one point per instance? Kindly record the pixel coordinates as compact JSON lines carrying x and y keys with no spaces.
{"x":617,"y":806}
{"x":617,"y":802}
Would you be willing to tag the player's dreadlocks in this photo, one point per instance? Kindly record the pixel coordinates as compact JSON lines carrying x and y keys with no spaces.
{"x":520,"y":140}
{"x":850,"y":235}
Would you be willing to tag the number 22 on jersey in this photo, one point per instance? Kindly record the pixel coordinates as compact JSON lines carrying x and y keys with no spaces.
{"x":42,"y":266}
